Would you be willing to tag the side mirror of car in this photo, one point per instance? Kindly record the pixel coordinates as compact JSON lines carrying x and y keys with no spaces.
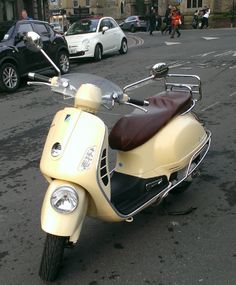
{"x":104,"y":29}
{"x":159,"y":70}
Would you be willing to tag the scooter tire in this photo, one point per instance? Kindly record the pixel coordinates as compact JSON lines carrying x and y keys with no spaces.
{"x":52,"y":257}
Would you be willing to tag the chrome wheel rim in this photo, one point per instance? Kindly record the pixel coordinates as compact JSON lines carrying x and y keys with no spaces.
{"x":10,"y":77}
{"x":64,"y":62}
{"x":125,"y":47}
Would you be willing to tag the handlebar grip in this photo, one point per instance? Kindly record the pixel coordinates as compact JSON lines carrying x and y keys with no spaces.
{"x":39,"y":77}
{"x":138,"y":102}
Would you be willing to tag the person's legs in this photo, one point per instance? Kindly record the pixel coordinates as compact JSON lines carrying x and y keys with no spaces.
{"x":178,"y":32}
{"x":173,"y":32}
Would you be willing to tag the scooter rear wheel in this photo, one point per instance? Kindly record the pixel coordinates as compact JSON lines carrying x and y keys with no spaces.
{"x":52,"y":257}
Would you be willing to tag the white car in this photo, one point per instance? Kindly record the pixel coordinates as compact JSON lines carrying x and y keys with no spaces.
{"x":94,"y":37}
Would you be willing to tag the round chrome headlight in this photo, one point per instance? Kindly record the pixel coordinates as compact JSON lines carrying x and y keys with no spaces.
{"x":64,"y":199}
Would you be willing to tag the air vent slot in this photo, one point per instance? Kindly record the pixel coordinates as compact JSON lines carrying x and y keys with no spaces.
{"x":103,"y":168}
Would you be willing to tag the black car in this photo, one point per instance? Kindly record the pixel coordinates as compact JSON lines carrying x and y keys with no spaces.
{"x":16,"y":60}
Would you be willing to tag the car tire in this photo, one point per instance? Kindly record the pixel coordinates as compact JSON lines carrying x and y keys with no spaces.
{"x":132,"y":29}
{"x":98,"y":53}
{"x":123,"y":47}
{"x":9,"y":77}
{"x":63,"y":62}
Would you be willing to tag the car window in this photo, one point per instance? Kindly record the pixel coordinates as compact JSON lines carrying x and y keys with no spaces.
{"x":50,"y":30}
{"x":104,"y":23}
{"x":131,"y":18}
{"x":8,"y":33}
{"x":113,"y":23}
{"x":41,"y":29}
{"x":24,"y":28}
{"x":83,"y":27}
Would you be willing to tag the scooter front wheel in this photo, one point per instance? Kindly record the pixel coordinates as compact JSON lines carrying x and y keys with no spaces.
{"x":52,"y":257}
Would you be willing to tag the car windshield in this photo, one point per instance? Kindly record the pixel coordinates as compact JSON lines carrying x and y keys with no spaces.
{"x":83,"y":27}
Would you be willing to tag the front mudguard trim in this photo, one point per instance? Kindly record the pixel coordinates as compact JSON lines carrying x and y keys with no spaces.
{"x":60,"y":224}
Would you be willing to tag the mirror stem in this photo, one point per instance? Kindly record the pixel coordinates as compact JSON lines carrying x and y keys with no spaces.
{"x":138,"y":82}
{"x":52,"y":63}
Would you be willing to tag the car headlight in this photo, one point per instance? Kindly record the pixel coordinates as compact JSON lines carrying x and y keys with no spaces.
{"x":64,"y":199}
{"x":86,"y":44}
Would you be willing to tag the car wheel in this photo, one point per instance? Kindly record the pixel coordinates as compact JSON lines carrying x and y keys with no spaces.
{"x":132,"y":29}
{"x":63,"y":62}
{"x":9,"y":77}
{"x":123,"y":47}
{"x":98,"y":53}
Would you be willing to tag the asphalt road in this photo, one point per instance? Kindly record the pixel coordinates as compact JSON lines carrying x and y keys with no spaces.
{"x":165,"y":245}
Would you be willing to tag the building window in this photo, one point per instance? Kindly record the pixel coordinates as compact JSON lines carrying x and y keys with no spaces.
{"x":87,"y":3}
{"x":194,"y":3}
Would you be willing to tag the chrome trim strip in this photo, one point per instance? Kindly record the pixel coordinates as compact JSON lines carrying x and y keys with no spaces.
{"x":190,"y":108}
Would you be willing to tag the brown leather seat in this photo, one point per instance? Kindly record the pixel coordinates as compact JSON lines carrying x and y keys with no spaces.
{"x":136,"y":128}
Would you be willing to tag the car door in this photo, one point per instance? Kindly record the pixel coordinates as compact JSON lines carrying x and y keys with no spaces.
{"x":28,"y":59}
{"x":116,"y":34}
{"x":105,"y":37}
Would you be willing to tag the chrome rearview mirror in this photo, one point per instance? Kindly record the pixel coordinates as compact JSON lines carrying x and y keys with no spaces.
{"x":159,"y":70}
{"x":34,"y":42}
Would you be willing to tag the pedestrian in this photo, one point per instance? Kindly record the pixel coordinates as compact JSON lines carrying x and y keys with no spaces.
{"x":24,"y":15}
{"x":205,"y":17}
{"x":195,"y":19}
{"x":152,"y":21}
{"x":175,"y":22}
{"x":167,"y":21}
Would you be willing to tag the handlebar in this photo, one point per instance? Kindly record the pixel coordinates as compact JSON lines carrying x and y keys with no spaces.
{"x":39,"y":77}
{"x":138,"y":102}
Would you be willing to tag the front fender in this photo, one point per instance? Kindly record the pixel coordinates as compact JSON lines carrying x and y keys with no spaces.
{"x":61,"y":224}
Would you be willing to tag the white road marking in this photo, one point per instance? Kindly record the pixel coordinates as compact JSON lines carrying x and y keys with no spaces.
{"x":204,"y":54}
{"x":172,"y":43}
{"x":177,"y":65}
{"x":210,"y":38}
{"x":224,"y":53}
{"x":232,"y":94}
{"x":210,"y":106}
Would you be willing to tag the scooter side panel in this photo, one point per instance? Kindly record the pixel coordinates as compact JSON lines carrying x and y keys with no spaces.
{"x":80,"y":135}
{"x":83,"y":139}
{"x":168,"y":151}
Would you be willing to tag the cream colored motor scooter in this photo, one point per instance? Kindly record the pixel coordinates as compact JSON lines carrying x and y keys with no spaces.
{"x":159,"y":146}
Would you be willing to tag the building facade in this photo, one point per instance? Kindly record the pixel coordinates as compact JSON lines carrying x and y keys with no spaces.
{"x":64,"y":10}
{"x":11,"y":9}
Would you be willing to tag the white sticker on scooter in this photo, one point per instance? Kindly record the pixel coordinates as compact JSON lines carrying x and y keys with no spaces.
{"x":87,"y":159}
